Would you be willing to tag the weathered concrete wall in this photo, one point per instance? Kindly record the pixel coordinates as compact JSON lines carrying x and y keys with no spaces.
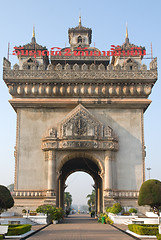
{"x":127,"y":124}
{"x":33,"y":123}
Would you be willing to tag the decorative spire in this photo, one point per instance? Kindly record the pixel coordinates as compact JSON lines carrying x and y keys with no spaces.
{"x":127,"y":37}
{"x":33,"y":40}
{"x":126,"y":31}
{"x":80,"y":24}
{"x":33,"y":35}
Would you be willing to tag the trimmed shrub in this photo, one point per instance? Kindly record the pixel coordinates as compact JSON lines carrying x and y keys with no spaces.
{"x":115,"y":209}
{"x":144,"y":229}
{"x":1,"y":236}
{"x":150,"y":193}
{"x":6,"y":200}
{"x":18,"y":229}
{"x":158,"y":236}
{"x":133,"y":210}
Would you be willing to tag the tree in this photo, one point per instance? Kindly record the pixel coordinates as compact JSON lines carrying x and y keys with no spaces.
{"x":67,"y":200}
{"x":92,"y":199}
{"x":150,"y":194}
{"x":6,"y":200}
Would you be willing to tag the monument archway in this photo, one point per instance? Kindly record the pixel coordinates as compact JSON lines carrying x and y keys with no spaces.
{"x":84,"y":164}
{"x":81,"y":106}
{"x":80,"y":143}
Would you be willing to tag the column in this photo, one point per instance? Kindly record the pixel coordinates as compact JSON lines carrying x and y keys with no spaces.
{"x":59,"y":192}
{"x":108,"y":171}
{"x":98,"y":199}
{"x":51,"y":173}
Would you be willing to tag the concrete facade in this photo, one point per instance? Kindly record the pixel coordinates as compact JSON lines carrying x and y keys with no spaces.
{"x":33,"y":123}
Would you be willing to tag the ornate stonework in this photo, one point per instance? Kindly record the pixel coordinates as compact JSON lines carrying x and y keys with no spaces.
{"x":80,"y":83}
{"x":80,"y":130}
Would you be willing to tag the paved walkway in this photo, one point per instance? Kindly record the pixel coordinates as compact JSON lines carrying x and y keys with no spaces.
{"x":80,"y":227}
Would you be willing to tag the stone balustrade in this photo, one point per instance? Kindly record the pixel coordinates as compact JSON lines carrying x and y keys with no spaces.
{"x":29,"y":194}
{"x":123,"y":194}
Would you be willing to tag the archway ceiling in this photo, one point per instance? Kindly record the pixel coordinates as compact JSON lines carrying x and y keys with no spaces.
{"x":80,"y":164}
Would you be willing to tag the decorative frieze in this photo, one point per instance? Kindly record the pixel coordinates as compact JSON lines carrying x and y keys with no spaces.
{"x":108,"y":90}
{"x":79,"y":144}
{"x":68,"y":74}
{"x":80,"y":81}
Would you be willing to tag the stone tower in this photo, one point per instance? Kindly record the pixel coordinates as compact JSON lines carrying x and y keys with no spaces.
{"x":77,"y":111}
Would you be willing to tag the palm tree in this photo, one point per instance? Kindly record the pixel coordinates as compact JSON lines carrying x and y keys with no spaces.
{"x":92,"y":200}
{"x":67,"y":200}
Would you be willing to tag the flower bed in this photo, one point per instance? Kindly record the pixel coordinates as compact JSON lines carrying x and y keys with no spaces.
{"x":144,"y":229}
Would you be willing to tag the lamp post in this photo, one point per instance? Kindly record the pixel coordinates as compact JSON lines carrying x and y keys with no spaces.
{"x":149,"y":171}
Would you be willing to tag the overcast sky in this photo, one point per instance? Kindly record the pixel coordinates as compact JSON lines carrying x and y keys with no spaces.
{"x":108,"y":22}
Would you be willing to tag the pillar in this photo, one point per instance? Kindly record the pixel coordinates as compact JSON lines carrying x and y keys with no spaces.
{"x":108,"y":171}
{"x":51,"y":173}
{"x":59,"y":192}
{"x":98,"y":199}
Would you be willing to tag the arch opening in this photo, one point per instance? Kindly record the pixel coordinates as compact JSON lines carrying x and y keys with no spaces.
{"x":79,"y":184}
{"x":84,"y":165}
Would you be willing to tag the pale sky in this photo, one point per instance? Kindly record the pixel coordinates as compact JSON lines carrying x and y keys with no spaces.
{"x":108,"y":22}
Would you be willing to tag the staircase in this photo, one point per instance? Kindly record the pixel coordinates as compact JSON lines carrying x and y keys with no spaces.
{"x":134,"y":220}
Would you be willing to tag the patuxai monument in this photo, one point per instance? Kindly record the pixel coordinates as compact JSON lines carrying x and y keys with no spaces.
{"x":79,"y":109}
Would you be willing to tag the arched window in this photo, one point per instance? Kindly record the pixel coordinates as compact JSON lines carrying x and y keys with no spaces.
{"x":79,"y":39}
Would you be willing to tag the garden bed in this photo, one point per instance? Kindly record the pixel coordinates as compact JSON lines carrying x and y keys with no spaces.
{"x":143,"y":230}
{"x":18,"y":229}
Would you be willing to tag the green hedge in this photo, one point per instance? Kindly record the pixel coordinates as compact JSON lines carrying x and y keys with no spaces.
{"x":158,"y":236}
{"x":18,"y":229}
{"x":144,"y":229}
{"x":1,"y":236}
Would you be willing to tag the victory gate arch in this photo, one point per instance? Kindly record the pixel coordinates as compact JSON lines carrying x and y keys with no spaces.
{"x":79,"y":112}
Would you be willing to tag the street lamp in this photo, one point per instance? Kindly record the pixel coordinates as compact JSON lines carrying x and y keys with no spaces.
{"x":149,"y":171}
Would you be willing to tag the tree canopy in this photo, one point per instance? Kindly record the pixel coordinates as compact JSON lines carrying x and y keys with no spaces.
{"x":150,"y":194}
{"x":6,"y":200}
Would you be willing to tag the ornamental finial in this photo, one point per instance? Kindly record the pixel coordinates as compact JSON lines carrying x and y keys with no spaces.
{"x":126,"y":31}
{"x":80,"y":21}
{"x":33,"y":34}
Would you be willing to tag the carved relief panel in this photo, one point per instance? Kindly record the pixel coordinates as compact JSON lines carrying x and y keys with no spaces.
{"x":80,"y":124}
{"x":80,"y":130}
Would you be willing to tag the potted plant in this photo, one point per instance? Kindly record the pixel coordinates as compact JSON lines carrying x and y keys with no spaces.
{"x":24,"y":211}
{"x":133,"y":211}
{"x":57,"y":215}
{"x":33,"y":213}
